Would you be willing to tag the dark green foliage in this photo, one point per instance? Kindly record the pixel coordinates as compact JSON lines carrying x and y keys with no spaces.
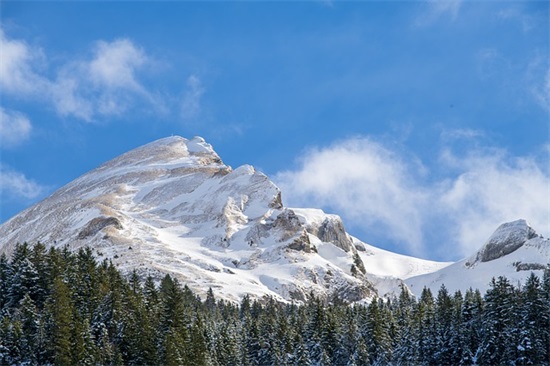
{"x":64,"y":308}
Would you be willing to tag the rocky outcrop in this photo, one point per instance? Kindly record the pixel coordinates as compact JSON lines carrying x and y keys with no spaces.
{"x":506,"y":239}
{"x":332,"y":230}
{"x":286,"y":225}
{"x":529,"y":266}
{"x":96,"y":225}
{"x":301,"y":243}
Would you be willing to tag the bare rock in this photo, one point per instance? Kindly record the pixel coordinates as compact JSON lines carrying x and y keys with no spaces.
{"x":506,"y":239}
{"x":97,"y":224}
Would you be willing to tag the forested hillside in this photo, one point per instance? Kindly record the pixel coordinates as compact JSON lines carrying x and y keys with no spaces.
{"x":64,"y":308}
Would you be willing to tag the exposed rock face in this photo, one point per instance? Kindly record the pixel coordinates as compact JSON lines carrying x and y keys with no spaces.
{"x":332,"y":231}
{"x":301,"y":243}
{"x":98,"y":224}
{"x":529,"y":266}
{"x":506,"y":239}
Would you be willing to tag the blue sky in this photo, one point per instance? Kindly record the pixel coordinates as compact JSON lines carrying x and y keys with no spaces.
{"x":423,"y":124}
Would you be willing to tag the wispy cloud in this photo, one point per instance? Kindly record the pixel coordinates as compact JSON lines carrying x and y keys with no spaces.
{"x":17,"y":69}
{"x":364,"y":180}
{"x":191,"y":103}
{"x":461,"y":134}
{"x":114,"y":65}
{"x":14,"y":184}
{"x":436,"y":9}
{"x":537,"y":80}
{"x":378,"y":188}
{"x":15,"y":128}
{"x":490,"y":188}
{"x":105,"y":83}
{"x":526,"y":21}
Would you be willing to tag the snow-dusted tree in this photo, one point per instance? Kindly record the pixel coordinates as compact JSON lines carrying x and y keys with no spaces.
{"x":533,"y":316}
{"x":498,"y":323}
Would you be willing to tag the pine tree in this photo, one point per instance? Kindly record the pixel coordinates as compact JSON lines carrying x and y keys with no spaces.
{"x":443,"y":326}
{"x":42,"y":288}
{"x":5,"y":281}
{"x":30,"y":342}
{"x":84,"y":350}
{"x":544,"y":321}
{"x":197,"y":347}
{"x":457,"y":340}
{"x":405,"y":344}
{"x":471,"y":326}
{"x":533,"y":314}
{"x":172,"y":351}
{"x":378,"y":337}
{"x":62,"y":311}
{"x":300,"y":356}
{"x":24,"y":276}
{"x":11,"y":335}
{"x":498,"y":323}
{"x":424,"y":318}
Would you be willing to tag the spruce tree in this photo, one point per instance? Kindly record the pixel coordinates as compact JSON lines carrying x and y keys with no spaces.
{"x":533,"y":315}
{"x":498,"y":327}
{"x":61,"y":309}
{"x":443,"y":327}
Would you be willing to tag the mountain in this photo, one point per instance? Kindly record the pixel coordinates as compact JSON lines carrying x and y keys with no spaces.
{"x":172,"y":206}
{"x":514,"y":251}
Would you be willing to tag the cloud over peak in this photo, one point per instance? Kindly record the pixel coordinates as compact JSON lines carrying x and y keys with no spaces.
{"x":377,"y":188}
{"x":364,"y":180}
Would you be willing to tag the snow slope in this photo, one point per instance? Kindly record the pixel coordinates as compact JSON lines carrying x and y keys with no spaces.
{"x":514,"y":251}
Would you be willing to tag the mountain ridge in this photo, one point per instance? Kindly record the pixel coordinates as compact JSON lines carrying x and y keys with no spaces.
{"x":173,"y":206}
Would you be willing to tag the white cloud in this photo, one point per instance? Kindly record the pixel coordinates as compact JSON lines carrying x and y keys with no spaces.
{"x":104,"y":84}
{"x":378,"y":188}
{"x":66,"y":97}
{"x":16,"y":67}
{"x":15,"y":184}
{"x":191,"y":103}
{"x":490,"y":189}
{"x":115,"y":64}
{"x":15,"y":128}
{"x":366,"y":181}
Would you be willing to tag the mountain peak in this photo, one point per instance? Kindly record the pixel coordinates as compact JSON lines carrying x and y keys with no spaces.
{"x":507,"y":238}
{"x":196,"y":145}
{"x":171,"y":151}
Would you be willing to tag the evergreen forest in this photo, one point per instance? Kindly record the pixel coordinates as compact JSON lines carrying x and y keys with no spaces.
{"x":59,"y":307}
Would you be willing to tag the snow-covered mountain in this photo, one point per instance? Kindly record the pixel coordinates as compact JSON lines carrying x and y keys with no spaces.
{"x":514,"y":251}
{"x":172,"y":206}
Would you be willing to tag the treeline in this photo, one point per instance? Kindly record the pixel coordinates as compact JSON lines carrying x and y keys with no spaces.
{"x":64,"y":308}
